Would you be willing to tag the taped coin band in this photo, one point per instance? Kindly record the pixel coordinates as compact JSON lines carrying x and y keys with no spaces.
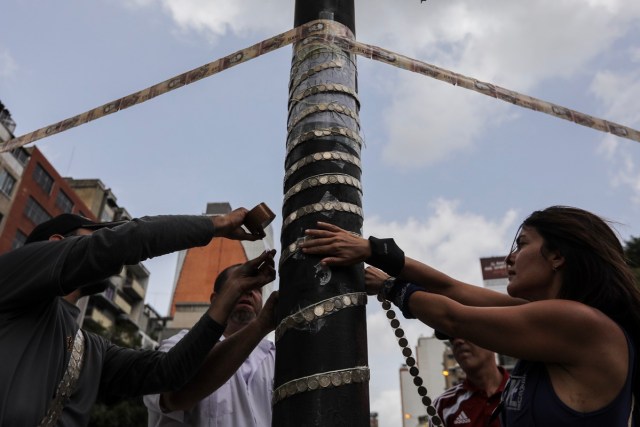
{"x":337,"y":156}
{"x":315,"y":70}
{"x":352,"y":139}
{"x":290,"y":249}
{"x":322,"y":207}
{"x":323,"y":179}
{"x":320,"y":108}
{"x":322,"y":88}
{"x":318,"y":51}
{"x":319,"y":310}
{"x":321,"y":381}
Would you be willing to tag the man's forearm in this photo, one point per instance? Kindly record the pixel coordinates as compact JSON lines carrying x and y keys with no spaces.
{"x":438,"y":282}
{"x":223,"y":361}
{"x":104,"y":252}
{"x":128,"y":372}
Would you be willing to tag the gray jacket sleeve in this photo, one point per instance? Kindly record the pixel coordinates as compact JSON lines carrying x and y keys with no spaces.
{"x":106,"y":251}
{"x":127,"y":372}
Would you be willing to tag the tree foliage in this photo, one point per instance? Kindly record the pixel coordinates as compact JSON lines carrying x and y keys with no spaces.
{"x":127,"y":413}
{"x":632,"y":252}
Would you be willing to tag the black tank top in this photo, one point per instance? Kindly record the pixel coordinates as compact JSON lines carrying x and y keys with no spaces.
{"x":529,"y":400}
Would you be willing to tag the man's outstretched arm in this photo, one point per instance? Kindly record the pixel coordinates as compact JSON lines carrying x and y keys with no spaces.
{"x":223,"y":361}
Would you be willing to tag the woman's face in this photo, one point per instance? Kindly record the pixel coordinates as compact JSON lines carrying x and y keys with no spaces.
{"x":531,"y":274}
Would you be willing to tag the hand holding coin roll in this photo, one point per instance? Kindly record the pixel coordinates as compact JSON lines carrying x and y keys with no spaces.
{"x":258,"y":218}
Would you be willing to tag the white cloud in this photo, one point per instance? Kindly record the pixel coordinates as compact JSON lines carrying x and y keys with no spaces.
{"x":216,"y":18}
{"x":449,"y":239}
{"x":619,"y":92}
{"x":136,"y":4}
{"x":427,"y":123}
{"x":8,"y":66}
{"x":493,"y":40}
{"x":387,"y":405}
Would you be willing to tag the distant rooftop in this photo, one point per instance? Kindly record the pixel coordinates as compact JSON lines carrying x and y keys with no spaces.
{"x":218,"y":208}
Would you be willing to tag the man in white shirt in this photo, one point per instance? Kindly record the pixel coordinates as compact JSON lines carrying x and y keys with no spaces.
{"x":233,"y":387}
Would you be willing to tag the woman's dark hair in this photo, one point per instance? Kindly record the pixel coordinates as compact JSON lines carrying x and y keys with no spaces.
{"x":595,"y":271}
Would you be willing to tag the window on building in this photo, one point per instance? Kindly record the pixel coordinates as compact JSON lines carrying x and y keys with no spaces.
{"x":64,"y":202}
{"x":110,"y":293}
{"x":106,"y":216}
{"x":18,"y":240}
{"x":43,"y":179}
{"x":35,"y":212}
{"x":7,"y":182}
{"x":21,"y":155}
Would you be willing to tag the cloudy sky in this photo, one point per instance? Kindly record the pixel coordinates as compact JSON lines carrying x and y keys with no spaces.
{"x":448,"y":172}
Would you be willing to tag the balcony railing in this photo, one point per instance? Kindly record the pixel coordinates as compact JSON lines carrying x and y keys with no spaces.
{"x":133,"y":289}
{"x":122,"y":303}
{"x":7,"y":122}
{"x":99,"y":317}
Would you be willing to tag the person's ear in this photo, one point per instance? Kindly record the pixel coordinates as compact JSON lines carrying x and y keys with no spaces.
{"x":55,"y":237}
{"x":556,"y":259}
{"x":212,"y":296}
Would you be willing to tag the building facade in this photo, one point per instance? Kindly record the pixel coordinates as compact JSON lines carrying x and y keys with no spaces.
{"x":11,"y":165}
{"x":40,"y":194}
{"x":430,"y":360}
{"x":11,"y":169}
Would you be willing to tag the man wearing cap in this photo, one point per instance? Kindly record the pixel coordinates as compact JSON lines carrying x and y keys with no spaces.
{"x":51,"y":372}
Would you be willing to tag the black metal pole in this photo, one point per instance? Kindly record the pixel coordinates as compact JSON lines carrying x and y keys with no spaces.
{"x":322,"y":375}
{"x":310,"y":10}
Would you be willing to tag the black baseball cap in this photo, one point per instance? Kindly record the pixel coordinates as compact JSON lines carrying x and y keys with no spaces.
{"x":64,"y":224}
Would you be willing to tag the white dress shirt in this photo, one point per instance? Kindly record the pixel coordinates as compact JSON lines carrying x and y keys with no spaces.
{"x":243,"y":401}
